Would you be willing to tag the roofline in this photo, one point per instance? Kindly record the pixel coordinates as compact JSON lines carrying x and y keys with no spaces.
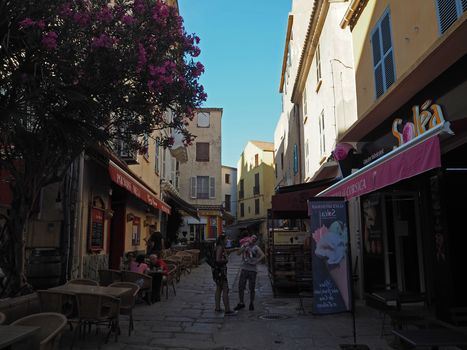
{"x":284,"y":59}
{"x":353,"y":13}
{"x":228,"y":166}
{"x":317,"y":17}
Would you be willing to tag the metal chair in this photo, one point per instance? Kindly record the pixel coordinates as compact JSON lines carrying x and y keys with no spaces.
{"x":109,"y":276}
{"x":169,"y":279}
{"x":83,"y":281}
{"x":51,"y":326}
{"x":127,"y":301}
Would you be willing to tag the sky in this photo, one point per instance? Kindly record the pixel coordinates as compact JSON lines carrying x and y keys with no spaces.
{"x":242,"y":45}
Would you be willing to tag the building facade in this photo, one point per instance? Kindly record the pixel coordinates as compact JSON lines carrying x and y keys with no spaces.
{"x":229,"y":191}
{"x":410,"y":137}
{"x":255,"y":186}
{"x":201,"y":182}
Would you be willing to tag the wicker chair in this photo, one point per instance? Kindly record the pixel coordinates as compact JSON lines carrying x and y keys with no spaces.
{"x":176,"y":260}
{"x":59,"y":302}
{"x":98,"y":309}
{"x":83,"y":281}
{"x":2,"y":318}
{"x":127,"y":301}
{"x":169,"y":280}
{"x":107,"y":277}
{"x":143,"y":281}
{"x":187,"y":261}
{"x":51,"y":326}
{"x":195,"y":254}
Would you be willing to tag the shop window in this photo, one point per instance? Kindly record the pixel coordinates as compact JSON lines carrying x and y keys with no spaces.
{"x":136,"y":231}
{"x":383,"y":57}
{"x":448,"y":12}
{"x":213,"y":225}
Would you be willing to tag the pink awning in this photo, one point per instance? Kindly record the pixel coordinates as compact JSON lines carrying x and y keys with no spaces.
{"x":400,"y":165}
{"x":125,"y":180}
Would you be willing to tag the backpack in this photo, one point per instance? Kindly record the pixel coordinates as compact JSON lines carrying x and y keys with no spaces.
{"x":210,"y":256}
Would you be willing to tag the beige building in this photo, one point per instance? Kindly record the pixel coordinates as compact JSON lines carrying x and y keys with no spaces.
{"x":200,"y":181}
{"x":255,"y":185}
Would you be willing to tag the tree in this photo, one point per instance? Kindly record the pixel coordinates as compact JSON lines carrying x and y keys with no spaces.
{"x":75,"y":74}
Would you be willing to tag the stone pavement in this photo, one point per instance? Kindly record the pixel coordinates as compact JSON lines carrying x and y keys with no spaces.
{"x":188,"y":321}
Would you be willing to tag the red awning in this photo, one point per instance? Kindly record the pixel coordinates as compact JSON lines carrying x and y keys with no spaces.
{"x":125,"y":180}
{"x":404,"y":162}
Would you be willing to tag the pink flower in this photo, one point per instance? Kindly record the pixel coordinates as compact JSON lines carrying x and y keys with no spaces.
{"x":198,"y":69}
{"x":27,"y":22}
{"x":128,"y":20}
{"x":164,"y":11}
{"x":195,"y":51}
{"x":104,"y":15}
{"x":320,"y":232}
{"x":342,"y":150}
{"x":82,"y":19}
{"x":142,"y":58}
{"x":156,"y":71}
{"x":40,"y":24}
{"x":138,"y":7}
{"x":196,"y":39}
{"x":65,"y":10}
{"x":103,"y":41}
{"x":49,"y":40}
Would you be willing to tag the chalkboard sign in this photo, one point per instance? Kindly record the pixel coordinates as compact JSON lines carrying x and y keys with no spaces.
{"x":97,"y":229}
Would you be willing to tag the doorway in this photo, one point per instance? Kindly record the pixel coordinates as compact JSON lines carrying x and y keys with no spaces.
{"x":403,"y":243}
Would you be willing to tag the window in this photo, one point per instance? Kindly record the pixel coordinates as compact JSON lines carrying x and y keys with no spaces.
{"x":257,"y":206}
{"x":202,"y":151}
{"x":242,"y":209}
{"x":157,"y":157}
{"x":448,"y":12}
{"x":241,"y":192}
{"x":256,"y":187}
{"x":227,"y":202}
{"x":227,"y":178}
{"x":202,"y":187}
{"x":322,"y":137}
{"x":295,"y":159}
{"x":318,"y":64}
{"x":256,"y":159}
{"x":203,"y":119}
{"x":145,"y":147}
{"x":163,"y":163}
{"x":383,"y":59}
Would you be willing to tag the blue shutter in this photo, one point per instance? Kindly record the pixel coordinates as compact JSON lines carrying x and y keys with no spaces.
{"x":464,"y":5}
{"x":295,"y":159}
{"x":383,"y":57}
{"x":448,"y":13}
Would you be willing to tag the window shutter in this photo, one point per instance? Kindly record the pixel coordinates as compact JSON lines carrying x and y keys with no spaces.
{"x":464,"y":5}
{"x":212,"y":187}
{"x":377,"y":64}
{"x":383,"y":59}
{"x":447,"y":13}
{"x":193,"y":187}
{"x":386,"y":41}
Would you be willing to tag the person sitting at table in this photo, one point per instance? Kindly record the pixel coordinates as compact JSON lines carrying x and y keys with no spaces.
{"x":130,"y":263}
{"x":156,"y":263}
{"x":140,"y":265}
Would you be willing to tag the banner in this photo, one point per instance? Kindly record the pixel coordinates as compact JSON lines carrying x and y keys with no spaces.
{"x":330,"y":255}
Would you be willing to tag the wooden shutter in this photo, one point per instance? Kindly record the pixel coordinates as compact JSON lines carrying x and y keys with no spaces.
{"x":193,"y":187}
{"x":383,"y":58}
{"x":212,"y":187}
{"x":202,"y":151}
{"x":448,"y":13}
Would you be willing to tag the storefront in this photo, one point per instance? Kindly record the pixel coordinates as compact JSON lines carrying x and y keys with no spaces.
{"x":406,"y":201}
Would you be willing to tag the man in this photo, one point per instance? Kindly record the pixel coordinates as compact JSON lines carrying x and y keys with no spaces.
{"x":252,"y":255}
{"x":155,"y":243}
{"x":158,"y":264}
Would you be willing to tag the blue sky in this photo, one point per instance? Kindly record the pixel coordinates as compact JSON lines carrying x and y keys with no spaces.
{"x":242,"y":44}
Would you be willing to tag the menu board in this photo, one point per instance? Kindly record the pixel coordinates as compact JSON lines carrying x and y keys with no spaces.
{"x":97,"y":229}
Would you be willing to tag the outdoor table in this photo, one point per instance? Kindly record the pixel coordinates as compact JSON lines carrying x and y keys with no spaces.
{"x":81,"y":288}
{"x":10,"y":334}
{"x":156,"y":284}
{"x":432,"y":337}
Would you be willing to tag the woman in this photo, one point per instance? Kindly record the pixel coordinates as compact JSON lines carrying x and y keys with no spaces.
{"x":219,"y":273}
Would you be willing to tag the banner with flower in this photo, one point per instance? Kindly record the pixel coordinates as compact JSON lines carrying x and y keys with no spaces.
{"x":330,"y":255}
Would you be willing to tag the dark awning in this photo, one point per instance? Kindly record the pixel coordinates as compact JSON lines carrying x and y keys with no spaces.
{"x":245,"y":224}
{"x":178,"y":202}
{"x":291,"y":201}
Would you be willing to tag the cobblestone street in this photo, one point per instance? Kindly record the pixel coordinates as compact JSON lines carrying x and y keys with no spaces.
{"x":188,"y":321}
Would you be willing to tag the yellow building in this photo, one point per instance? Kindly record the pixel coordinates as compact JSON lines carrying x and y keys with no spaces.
{"x":255,"y":185}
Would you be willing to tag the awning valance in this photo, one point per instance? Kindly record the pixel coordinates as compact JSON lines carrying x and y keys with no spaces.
{"x":123,"y":179}
{"x":410,"y":159}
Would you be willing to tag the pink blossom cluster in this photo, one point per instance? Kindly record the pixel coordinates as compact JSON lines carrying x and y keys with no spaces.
{"x":104,"y":15}
{"x":29,"y":23}
{"x":342,"y":150}
{"x":102,"y":41}
{"x":198,"y":69}
{"x":49,"y":40}
{"x":128,"y":20}
{"x":142,"y":58}
{"x":319,"y":232}
{"x":160,"y":12}
{"x":139,"y":7}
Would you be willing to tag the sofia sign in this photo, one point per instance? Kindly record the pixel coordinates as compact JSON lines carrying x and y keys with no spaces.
{"x":424,"y":118}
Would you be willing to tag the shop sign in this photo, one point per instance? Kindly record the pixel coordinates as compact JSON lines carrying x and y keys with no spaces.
{"x":424,"y":118}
